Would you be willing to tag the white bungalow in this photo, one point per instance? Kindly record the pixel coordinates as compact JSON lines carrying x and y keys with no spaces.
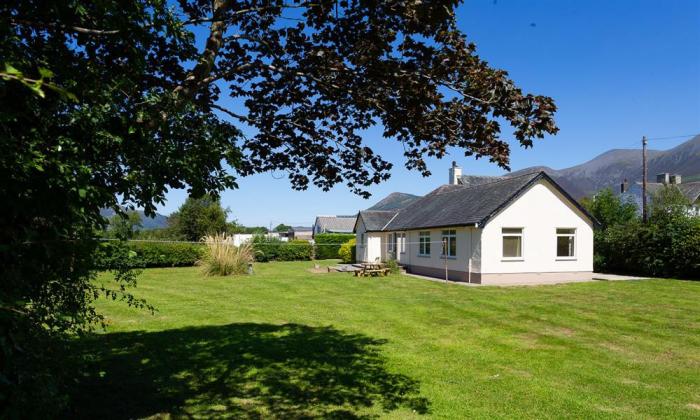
{"x":484,"y":230}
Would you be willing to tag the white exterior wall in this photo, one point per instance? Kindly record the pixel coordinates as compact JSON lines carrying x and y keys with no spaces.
{"x":468,"y":255}
{"x":539,"y":211}
{"x":371,"y":248}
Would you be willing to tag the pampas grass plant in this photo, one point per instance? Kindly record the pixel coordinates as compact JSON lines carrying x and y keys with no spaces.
{"x":223,"y":258}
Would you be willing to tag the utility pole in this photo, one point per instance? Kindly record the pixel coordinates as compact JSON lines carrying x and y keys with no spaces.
{"x":644,"y":179}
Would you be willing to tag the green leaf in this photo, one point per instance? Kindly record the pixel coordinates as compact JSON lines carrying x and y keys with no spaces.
{"x":36,"y":87}
{"x":9,"y":69}
{"x":45,"y":73}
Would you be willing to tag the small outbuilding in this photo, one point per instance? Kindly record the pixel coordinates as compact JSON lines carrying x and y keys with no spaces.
{"x":334,"y":224}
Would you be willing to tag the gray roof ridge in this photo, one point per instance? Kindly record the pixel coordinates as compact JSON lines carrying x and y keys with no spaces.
{"x":467,"y":187}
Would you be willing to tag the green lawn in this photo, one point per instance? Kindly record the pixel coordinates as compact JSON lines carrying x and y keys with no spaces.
{"x":287,"y":343}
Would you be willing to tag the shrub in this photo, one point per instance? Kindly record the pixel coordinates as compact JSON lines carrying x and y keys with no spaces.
{"x":393,"y":266}
{"x":111,"y":255}
{"x":328,"y":244}
{"x":222,"y":258}
{"x":273,"y":249}
{"x":347,"y":251}
{"x":297,"y":250}
{"x":666,"y":249}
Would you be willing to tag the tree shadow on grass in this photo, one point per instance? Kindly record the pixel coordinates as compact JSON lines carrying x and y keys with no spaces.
{"x":239,"y":370}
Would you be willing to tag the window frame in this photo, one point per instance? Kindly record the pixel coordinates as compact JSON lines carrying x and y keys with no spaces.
{"x":424,"y":244}
{"x":520,"y":235}
{"x":451,"y":237}
{"x":402,"y":243}
{"x":566,"y":235}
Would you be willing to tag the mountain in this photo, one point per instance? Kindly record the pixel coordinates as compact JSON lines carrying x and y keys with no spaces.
{"x":156,"y":222}
{"x":395,"y":201}
{"x":613,"y":166}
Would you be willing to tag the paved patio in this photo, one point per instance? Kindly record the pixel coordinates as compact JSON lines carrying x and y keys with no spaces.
{"x":562,"y":280}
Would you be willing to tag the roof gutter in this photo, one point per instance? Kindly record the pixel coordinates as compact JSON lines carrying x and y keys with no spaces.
{"x":473,"y":224}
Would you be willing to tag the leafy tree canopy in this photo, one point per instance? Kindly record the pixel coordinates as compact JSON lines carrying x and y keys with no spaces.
{"x":668,"y":202}
{"x":112,"y":103}
{"x":124,"y":225}
{"x":610,"y":209}
{"x":198,"y":217}
{"x":282,"y":228}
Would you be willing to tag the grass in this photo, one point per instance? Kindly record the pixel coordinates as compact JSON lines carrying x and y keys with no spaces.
{"x":286,"y":343}
{"x":223,"y":258}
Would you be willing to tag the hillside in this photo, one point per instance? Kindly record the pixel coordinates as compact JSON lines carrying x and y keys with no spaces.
{"x":394,"y":201}
{"x":613,"y":166}
{"x":156,"y":222}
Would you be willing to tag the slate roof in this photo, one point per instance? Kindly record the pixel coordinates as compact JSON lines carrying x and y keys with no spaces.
{"x":474,"y":180}
{"x":335,"y":224}
{"x":691,"y":190}
{"x":456,"y":205}
{"x":302,"y":228}
{"x":375,"y":220}
{"x":394,"y":201}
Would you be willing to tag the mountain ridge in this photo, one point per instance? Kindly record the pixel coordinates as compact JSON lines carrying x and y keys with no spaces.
{"x":158,"y":221}
{"x":611,"y":167}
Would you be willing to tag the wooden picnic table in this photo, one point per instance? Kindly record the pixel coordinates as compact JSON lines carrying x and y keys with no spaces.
{"x":372,"y":269}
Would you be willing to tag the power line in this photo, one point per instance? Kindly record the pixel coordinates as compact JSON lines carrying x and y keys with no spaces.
{"x":674,"y":137}
{"x":636,"y":142}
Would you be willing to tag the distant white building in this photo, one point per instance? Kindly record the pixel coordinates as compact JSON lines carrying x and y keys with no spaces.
{"x":241,"y":238}
{"x":691,"y":190}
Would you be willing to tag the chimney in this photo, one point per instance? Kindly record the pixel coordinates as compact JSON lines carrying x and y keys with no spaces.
{"x":675,"y":179}
{"x":624,"y":186}
{"x":455,"y":173}
{"x":662,"y":178}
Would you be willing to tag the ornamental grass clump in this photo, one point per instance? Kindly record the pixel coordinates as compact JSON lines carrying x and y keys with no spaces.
{"x":223,"y":258}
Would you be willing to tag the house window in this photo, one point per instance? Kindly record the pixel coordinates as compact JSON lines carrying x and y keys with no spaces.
{"x":362,"y":239}
{"x":512,"y":242}
{"x":402,"y":242}
{"x":390,"y":239}
{"x":449,"y":243}
{"x":566,"y":240}
{"x":424,"y":243}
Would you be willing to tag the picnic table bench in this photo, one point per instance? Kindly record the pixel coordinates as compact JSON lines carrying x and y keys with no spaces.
{"x":372,"y":269}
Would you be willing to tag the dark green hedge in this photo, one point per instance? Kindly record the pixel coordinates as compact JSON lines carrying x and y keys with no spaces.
{"x":669,"y":249}
{"x":273,"y":249}
{"x":328,"y":244}
{"x":147,"y":254}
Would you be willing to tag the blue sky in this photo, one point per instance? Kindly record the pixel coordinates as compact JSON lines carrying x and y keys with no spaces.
{"x":617,"y":70}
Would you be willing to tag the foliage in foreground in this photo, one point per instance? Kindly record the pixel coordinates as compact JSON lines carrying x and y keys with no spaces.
{"x":223,"y":258}
{"x":111,"y":104}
